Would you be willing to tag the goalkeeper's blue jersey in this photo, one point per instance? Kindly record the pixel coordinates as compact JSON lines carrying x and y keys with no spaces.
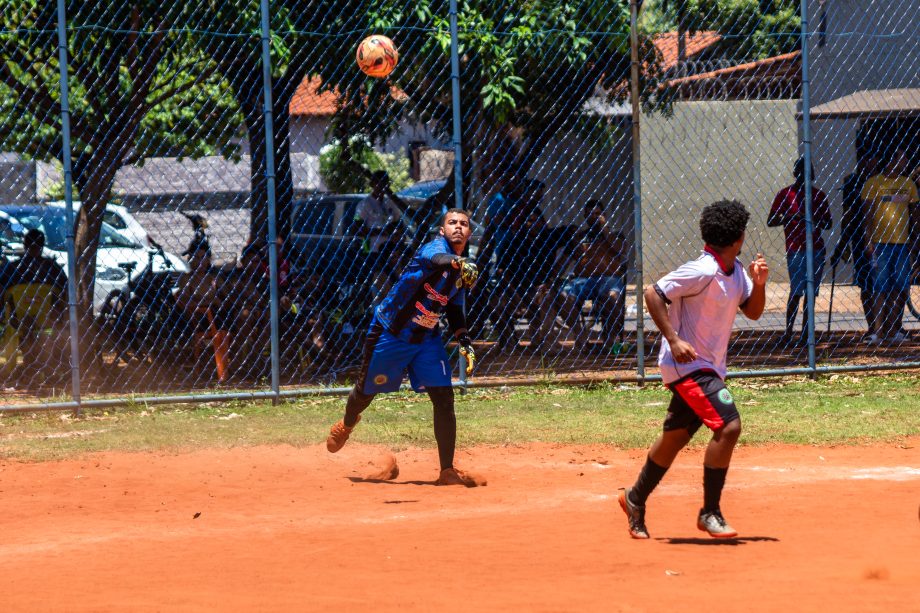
{"x":412,"y":308}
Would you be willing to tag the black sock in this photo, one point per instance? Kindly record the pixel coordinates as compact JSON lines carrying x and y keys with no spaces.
{"x":647,"y":481}
{"x":445,"y":423}
{"x":713,"y":482}
{"x":356,"y":403}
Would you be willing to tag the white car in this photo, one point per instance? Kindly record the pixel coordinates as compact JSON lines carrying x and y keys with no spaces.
{"x":119,"y":218}
{"x":114,"y":249}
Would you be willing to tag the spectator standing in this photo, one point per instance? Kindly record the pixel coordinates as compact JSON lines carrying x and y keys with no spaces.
{"x":494,"y":242}
{"x":852,"y":239}
{"x":34,"y":268}
{"x":33,"y":314}
{"x":379,"y":213}
{"x":524,"y":264}
{"x":788,"y":210}
{"x":243,"y":308}
{"x":599,"y":275}
{"x":891,"y":211}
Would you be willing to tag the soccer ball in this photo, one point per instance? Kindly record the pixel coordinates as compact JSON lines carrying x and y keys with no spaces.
{"x":377,"y":56}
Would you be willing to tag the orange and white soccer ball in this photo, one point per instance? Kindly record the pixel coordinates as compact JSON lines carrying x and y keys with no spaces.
{"x":377,"y":56}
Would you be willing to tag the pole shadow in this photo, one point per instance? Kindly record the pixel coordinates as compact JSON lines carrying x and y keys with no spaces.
{"x":390,"y":482}
{"x":721,"y":542}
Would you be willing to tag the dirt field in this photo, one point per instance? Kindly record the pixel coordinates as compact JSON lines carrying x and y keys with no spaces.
{"x":832,"y":529}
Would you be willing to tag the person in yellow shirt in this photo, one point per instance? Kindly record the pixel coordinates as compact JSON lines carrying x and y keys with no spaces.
{"x":891,"y":215}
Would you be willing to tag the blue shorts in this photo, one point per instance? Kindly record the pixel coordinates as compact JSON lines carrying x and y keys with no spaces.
{"x":892,"y":272}
{"x":593,"y":288}
{"x":387,"y":359}
{"x":797,"y":265}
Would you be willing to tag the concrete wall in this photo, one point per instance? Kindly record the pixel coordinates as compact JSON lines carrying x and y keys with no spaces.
{"x":868,"y":45}
{"x":17,"y":180}
{"x":711,"y":151}
{"x":308,"y":135}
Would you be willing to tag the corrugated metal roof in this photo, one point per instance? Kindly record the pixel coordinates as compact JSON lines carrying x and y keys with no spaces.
{"x":871,"y":103}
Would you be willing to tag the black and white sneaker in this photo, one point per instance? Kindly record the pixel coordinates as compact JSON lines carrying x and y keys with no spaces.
{"x":713,"y":523}
{"x":635,"y":514}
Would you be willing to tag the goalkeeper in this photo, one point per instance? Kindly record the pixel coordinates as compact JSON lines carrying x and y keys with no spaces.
{"x":404,"y":336}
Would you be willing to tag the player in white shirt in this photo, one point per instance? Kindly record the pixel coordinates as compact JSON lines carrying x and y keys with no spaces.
{"x":694,"y":307}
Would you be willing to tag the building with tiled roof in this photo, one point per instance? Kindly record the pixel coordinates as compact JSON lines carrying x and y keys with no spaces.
{"x":696,"y":44}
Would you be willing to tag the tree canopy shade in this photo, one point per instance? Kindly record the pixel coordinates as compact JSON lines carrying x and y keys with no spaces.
{"x":526,"y":71}
{"x":750,"y":29}
{"x":138,"y":89}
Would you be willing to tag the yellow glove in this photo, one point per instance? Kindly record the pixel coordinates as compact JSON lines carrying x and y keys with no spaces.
{"x":468,"y":272}
{"x":466,"y":350}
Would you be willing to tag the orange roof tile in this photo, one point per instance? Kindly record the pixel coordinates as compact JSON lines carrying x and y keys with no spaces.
{"x":666,"y":43}
{"x":782,"y":62}
{"x":309,"y":101}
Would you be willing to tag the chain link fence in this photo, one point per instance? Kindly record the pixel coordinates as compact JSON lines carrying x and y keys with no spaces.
{"x":207,"y":200}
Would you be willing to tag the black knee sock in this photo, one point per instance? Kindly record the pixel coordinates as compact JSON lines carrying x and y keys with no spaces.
{"x":647,"y":481}
{"x":713,"y":482}
{"x":445,"y":423}
{"x":356,"y":403}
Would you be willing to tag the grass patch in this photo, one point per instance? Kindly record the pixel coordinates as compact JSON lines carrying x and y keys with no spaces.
{"x":839,"y":409}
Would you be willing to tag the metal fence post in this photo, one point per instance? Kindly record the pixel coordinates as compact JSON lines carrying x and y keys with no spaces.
{"x":272,"y":209}
{"x":637,"y":188}
{"x":68,"y":199}
{"x":809,"y":221}
{"x":456,"y":138}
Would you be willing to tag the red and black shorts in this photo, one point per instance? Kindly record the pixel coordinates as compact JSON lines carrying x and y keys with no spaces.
{"x":700,"y":398}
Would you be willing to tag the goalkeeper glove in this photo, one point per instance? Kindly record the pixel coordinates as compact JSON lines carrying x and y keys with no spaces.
{"x":468,"y":272}
{"x":466,"y":350}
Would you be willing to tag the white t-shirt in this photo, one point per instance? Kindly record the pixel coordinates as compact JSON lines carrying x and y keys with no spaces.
{"x":704,"y":302}
{"x":376,"y":215}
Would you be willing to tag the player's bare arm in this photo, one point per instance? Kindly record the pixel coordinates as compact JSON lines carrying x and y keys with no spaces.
{"x":754,"y":305}
{"x":683,"y":351}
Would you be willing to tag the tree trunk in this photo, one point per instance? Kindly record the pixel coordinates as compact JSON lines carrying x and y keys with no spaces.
{"x":258,"y":189}
{"x":284,"y":180}
{"x":681,"y":41}
{"x":94,"y":175}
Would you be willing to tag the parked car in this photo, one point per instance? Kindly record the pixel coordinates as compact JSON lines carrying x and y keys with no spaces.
{"x":324,"y":235}
{"x":115,"y":249}
{"x":11,"y":232}
{"x":121,"y":219}
{"x":423,"y":190}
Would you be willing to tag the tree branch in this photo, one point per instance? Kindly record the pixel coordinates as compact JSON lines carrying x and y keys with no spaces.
{"x":188,"y":68}
{"x":34,"y":96}
{"x":175,"y":91}
{"x":92,"y":83}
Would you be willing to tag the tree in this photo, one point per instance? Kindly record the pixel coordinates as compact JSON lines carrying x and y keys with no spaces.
{"x":751,"y":29}
{"x":526,"y":72}
{"x":137,"y":88}
{"x":231,"y":36}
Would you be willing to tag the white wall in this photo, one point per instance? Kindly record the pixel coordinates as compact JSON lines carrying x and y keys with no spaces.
{"x":709,"y":151}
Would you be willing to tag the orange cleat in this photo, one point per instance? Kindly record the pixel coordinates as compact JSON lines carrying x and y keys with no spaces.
{"x":453,"y":476}
{"x":339,"y":434}
{"x":634,"y":513}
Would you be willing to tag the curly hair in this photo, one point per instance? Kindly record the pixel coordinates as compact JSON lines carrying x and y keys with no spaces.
{"x":723,"y":222}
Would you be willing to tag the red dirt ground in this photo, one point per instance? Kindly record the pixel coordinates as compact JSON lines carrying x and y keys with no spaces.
{"x":831,"y":529}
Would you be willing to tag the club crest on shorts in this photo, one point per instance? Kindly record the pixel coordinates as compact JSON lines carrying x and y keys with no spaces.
{"x":381,"y":379}
{"x":725,"y":396}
